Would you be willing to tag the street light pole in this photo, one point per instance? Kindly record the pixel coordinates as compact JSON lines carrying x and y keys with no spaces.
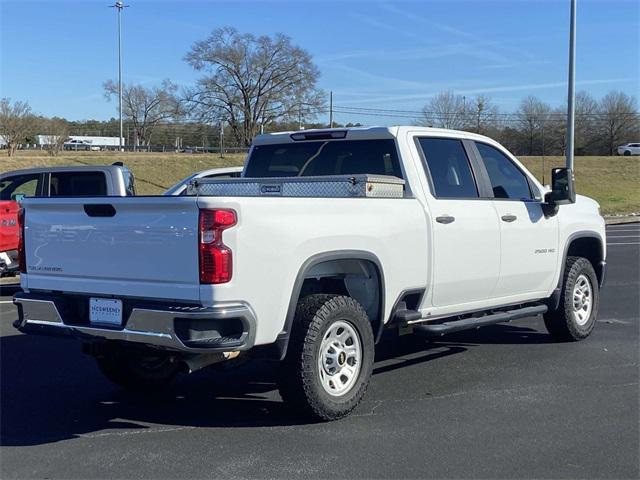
{"x":571,"y":111}
{"x":119,"y":6}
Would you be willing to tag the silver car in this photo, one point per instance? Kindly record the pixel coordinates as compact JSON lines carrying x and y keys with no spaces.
{"x":180,"y":188}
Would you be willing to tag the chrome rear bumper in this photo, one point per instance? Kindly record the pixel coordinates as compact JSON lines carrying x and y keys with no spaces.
{"x":156,"y":326}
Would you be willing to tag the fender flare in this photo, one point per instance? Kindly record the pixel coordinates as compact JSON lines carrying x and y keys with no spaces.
{"x":282,"y":341}
{"x":554,"y":300}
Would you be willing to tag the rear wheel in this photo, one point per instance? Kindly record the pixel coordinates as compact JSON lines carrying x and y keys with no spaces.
{"x":137,"y":370}
{"x":575,"y":317}
{"x":330,"y":357}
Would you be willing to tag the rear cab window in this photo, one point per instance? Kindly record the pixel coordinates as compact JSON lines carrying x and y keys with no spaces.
{"x":27,"y":185}
{"x":129,"y":182}
{"x":72,"y":184}
{"x":322,"y":158}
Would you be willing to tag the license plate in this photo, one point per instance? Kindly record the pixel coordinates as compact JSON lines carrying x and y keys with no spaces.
{"x":105,"y":311}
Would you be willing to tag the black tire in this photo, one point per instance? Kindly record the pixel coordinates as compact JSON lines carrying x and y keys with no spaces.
{"x":562,"y":323}
{"x":300,"y":377}
{"x":627,"y":153}
{"x":137,"y":370}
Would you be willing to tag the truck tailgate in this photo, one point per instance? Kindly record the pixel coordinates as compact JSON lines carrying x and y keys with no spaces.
{"x":125,"y":246}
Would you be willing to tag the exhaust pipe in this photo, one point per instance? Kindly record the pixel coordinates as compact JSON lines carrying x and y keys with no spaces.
{"x":196,"y":362}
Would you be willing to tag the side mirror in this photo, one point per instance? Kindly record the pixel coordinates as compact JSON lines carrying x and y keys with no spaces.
{"x":17,"y":197}
{"x":562,"y":187}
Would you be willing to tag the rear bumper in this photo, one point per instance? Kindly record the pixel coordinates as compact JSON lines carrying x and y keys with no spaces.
{"x":223,"y":327}
{"x":8,"y":262}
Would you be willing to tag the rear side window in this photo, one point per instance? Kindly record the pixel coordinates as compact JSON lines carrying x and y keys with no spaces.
{"x":338,"y":157}
{"x":71,"y":184}
{"x":449,"y":167}
{"x":507,"y":180}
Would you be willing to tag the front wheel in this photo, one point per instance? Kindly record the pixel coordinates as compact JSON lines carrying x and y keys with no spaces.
{"x":330,"y":357}
{"x":627,"y":153}
{"x":575,"y":317}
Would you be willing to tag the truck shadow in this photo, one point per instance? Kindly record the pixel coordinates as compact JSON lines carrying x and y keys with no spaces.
{"x":8,"y":289}
{"x":51,"y":392}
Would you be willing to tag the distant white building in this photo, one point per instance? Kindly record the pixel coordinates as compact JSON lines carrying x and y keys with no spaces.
{"x":94,"y":141}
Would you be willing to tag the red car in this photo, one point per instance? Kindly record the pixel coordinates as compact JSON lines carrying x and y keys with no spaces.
{"x":8,"y":236}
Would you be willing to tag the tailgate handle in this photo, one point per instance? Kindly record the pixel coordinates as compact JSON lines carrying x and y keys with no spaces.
{"x":99,"y":210}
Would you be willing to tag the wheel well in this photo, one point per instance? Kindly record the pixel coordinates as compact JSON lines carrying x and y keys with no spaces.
{"x":357,"y":278}
{"x":589,"y":248}
{"x":345,"y":272}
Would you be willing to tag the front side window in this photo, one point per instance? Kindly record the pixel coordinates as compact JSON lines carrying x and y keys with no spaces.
{"x":507,"y":180}
{"x":339,"y":157}
{"x":73,"y":184}
{"x":449,"y":167}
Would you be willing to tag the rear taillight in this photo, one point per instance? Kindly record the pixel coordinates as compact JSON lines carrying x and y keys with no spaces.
{"x":22,"y":264}
{"x":216,"y":262}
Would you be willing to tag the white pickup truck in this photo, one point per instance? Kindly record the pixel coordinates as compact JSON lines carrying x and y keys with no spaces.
{"x":330,"y":237}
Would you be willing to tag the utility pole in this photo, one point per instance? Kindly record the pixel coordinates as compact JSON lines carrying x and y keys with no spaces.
{"x":300,"y":102}
{"x":221,"y":138}
{"x":330,"y":109}
{"x":119,"y":6}
{"x":464,"y":109}
{"x":571,"y":112}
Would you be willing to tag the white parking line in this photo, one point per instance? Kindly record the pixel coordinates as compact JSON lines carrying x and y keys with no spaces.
{"x":6,"y":301}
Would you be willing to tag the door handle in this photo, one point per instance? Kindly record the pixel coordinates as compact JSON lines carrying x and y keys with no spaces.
{"x":445,"y":219}
{"x":509,"y":218}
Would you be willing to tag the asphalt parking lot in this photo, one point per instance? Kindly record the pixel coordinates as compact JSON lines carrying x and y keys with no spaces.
{"x":503,"y":402}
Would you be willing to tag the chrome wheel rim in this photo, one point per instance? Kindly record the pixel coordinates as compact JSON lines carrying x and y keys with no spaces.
{"x":339,"y":358}
{"x":582,"y":300}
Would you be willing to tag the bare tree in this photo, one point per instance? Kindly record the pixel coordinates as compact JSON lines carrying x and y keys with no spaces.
{"x":146,"y":107}
{"x":586,"y":122}
{"x":618,"y":120}
{"x":533,"y":115}
{"x":481,"y":115}
{"x":445,"y":110}
{"x":56,"y":134}
{"x":249,"y":81}
{"x":16,"y":123}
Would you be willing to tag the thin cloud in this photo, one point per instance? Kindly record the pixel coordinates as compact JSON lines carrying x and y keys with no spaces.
{"x":477,"y":40}
{"x":378,"y":99}
{"x":516,"y":64}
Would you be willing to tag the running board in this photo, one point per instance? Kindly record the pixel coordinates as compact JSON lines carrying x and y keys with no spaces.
{"x":439,"y":329}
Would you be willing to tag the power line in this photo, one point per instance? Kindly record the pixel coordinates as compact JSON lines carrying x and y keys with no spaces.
{"x":387,"y":111}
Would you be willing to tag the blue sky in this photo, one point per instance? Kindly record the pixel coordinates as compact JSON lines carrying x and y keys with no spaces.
{"x":387,"y":54}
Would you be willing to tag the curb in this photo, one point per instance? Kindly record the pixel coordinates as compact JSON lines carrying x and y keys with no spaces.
{"x":621,"y":219}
